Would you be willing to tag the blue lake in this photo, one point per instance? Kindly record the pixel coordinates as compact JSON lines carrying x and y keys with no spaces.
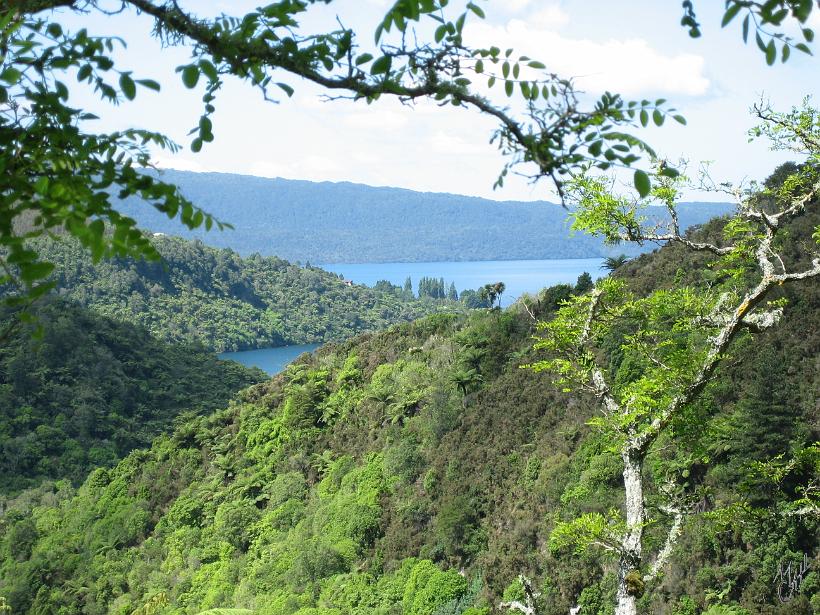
{"x":519,"y":276}
{"x":270,"y":360}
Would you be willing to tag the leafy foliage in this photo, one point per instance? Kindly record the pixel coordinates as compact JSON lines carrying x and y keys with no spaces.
{"x":763,"y":19}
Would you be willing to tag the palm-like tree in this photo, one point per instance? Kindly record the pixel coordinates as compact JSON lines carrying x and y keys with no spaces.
{"x":611,"y":263}
{"x":498,"y":289}
{"x":465,"y":378}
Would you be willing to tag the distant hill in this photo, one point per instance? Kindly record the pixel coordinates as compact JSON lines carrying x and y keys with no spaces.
{"x":226,"y":302}
{"x":351,"y":223}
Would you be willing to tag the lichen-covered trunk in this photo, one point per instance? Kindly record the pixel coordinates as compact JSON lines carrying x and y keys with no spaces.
{"x":630,"y":558}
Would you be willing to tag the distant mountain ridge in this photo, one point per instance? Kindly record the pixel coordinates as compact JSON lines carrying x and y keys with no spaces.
{"x":352,"y":223}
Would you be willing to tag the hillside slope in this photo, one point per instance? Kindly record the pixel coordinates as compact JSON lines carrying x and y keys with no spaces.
{"x":226,"y":302}
{"x":351,"y":223}
{"x":364,"y":478}
{"x":90,"y":389}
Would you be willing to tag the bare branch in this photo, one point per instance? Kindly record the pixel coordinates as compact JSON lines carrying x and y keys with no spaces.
{"x":802,"y":275}
{"x":675,"y":237}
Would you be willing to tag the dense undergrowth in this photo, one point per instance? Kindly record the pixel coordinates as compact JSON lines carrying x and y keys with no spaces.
{"x":89,"y":389}
{"x":420,"y":470}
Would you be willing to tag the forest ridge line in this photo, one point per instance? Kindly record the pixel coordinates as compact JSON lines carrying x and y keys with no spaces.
{"x":327,"y":222}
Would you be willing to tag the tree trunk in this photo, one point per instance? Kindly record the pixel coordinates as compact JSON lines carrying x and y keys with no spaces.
{"x":629,"y":577}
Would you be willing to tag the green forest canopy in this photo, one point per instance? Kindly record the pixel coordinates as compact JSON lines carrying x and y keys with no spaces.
{"x":363,"y":478}
{"x":353,"y":223}
{"x":226,"y":302}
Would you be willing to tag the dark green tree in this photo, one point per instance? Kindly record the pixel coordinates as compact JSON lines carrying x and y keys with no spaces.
{"x":584,"y":283}
{"x":452,"y":293}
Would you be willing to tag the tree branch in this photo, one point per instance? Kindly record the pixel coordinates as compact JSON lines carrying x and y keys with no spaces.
{"x":29,"y":7}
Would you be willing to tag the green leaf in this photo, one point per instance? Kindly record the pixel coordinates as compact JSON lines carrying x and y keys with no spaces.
{"x":11,"y":75}
{"x":537,"y":65}
{"x":35,"y":271}
{"x":364,"y":59}
{"x":84,"y":72}
{"x":476,"y":9}
{"x":644,"y":118}
{"x":381,"y":66}
{"x":679,"y":119}
{"x":642,"y":183}
{"x":128,"y":87}
{"x":41,"y":185}
{"x":760,"y":44}
{"x":150,"y":84}
{"x":730,"y":14}
{"x":509,"y":86}
{"x":657,"y":117}
{"x":286,"y":89}
{"x":771,"y":53}
{"x":190,"y":76}
{"x":208,"y":69}
{"x":595,"y":148}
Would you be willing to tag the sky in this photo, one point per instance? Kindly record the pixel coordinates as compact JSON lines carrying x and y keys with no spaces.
{"x":636,"y":48}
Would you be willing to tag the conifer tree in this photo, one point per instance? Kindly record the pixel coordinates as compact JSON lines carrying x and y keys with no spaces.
{"x":452,"y":293}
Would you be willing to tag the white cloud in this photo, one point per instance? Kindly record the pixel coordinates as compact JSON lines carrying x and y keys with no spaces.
{"x":375,"y":118}
{"x":629,"y":66}
{"x":551,"y":17}
{"x":180,"y":164}
{"x":312,"y":167}
{"x":813,"y":21}
{"x":451,"y":144}
{"x":516,"y":6}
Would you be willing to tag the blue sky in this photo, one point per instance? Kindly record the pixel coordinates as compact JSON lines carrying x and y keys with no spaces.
{"x":636,"y":48}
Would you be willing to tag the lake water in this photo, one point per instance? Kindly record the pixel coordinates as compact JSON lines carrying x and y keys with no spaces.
{"x":519,"y":276}
{"x":270,"y":360}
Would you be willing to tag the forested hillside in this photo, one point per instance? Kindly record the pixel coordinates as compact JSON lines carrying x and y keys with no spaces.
{"x":421,"y":470}
{"x":226,"y":302}
{"x":351,"y":223}
{"x":89,"y":389}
